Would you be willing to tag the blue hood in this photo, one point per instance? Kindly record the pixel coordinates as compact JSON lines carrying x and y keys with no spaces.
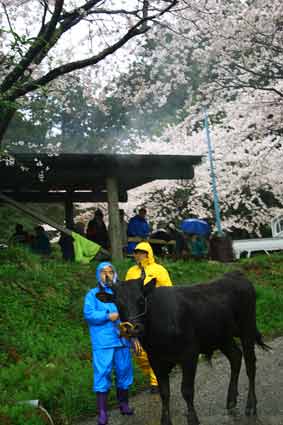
{"x":102,"y":266}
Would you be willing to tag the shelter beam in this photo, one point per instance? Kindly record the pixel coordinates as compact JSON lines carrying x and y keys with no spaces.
{"x":62,"y":197}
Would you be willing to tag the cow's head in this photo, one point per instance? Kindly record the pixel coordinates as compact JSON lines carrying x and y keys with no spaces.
{"x":130,"y":298}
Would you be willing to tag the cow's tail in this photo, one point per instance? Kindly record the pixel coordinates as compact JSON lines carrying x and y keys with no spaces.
{"x":259,"y":341}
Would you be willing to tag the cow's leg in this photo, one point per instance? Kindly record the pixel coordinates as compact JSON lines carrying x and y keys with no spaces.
{"x":234,"y":355}
{"x":189,"y":366}
{"x":162,"y":370}
{"x":250,"y":362}
{"x":164,"y":388}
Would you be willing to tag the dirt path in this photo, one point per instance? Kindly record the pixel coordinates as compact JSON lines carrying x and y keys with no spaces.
{"x":210,"y":395}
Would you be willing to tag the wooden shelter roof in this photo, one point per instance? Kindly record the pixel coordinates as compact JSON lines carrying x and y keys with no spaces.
{"x":83,"y":176}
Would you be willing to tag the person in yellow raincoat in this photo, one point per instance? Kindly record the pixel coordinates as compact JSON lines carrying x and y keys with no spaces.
{"x":144,"y":258}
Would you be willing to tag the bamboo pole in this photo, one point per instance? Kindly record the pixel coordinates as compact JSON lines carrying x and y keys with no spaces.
{"x":43,"y":218}
{"x":35,"y":214}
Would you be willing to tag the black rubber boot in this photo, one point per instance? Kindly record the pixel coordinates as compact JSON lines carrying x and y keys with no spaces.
{"x":101,"y":401}
{"x":123,"y":400}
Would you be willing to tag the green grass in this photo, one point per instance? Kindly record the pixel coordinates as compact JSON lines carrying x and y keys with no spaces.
{"x":45,"y":348}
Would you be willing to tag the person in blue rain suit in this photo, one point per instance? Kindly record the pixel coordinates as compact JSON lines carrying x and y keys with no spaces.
{"x":138,"y":227}
{"x":109,"y":350}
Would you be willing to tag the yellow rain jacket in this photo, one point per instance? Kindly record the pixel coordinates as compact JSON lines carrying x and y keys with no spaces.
{"x":152,"y":270}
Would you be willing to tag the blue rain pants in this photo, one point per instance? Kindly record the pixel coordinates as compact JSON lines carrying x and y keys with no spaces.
{"x":107,"y":359}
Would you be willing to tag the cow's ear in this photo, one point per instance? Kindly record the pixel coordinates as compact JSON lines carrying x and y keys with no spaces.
{"x":105,"y":297}
{"x":149,"y":287}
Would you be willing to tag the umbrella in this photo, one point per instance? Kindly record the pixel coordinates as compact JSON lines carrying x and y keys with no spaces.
{"x":195,"y":226}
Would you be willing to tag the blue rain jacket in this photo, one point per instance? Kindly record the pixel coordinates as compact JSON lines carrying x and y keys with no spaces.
{"x":103,"y":332}
{"x":138,"y":226}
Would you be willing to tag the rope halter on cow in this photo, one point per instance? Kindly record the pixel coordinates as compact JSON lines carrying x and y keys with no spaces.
{"x":125,"y":328}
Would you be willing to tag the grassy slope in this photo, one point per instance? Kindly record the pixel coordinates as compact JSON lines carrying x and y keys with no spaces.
{"x":45,"y":350}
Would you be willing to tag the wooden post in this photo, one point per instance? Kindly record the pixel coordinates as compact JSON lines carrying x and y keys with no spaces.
{"x":114,"y":219}
{"x":69,"y":213}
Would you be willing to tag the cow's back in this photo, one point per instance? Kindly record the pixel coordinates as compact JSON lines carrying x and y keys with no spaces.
{"x":205,"y":314}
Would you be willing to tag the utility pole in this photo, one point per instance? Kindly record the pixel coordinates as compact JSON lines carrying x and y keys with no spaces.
{"x":212,"y":176}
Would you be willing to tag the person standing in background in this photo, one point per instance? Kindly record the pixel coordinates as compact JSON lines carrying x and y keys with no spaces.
{"x":40,"y":243}
{"x":97,"y":231}
{"x":138,"y":227}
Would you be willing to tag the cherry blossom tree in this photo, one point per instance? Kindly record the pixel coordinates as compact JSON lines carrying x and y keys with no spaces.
{"x":235,"y":45}
{"x":225,"y":55}
{"x":235,"y":51}
{"x":248,"y":157}
{"x":236,"y":48}
{"x":44,"y":40}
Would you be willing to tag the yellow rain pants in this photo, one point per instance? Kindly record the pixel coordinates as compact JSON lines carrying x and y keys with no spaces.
{"x":143,"y":363}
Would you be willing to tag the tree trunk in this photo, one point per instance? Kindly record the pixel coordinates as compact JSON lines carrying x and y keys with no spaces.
{"x":6,"y":115}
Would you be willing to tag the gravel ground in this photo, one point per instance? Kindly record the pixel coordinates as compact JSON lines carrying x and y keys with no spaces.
{"x":210,"y":395}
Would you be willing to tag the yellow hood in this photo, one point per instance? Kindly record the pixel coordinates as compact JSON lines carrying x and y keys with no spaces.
{"x":151,"y":268}
{"x":145,"y":246}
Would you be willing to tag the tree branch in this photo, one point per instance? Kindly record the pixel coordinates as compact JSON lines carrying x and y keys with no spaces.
{"x":67,"y":21}
{"x":73,"y":66}
{"x":70,"y":20}
{"x":100,"y":11}
{"x":45,"y":5}
{"x":40,"y":43}
{"x":86,"y":7}
{"x":16,"y":38}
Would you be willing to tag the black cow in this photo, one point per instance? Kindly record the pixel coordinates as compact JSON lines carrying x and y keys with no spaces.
{"x":176,"y":324}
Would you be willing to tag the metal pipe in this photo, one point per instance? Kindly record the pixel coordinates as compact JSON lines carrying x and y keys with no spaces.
{"x":213,"y":176}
